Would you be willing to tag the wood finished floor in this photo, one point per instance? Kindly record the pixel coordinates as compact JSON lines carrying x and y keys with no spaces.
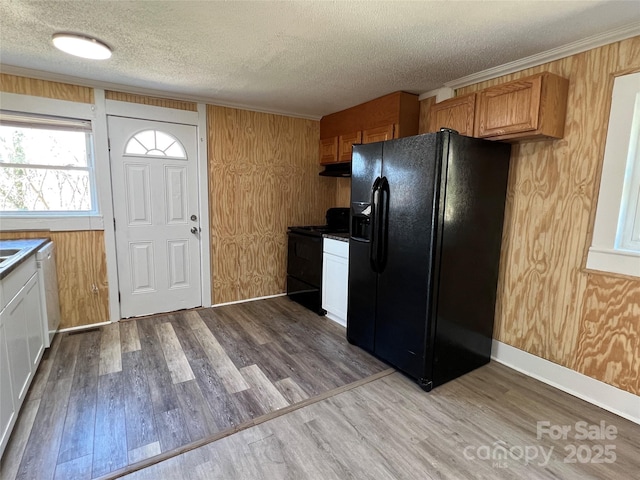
{"x":105,"y":399}
{"x":389,"y":429}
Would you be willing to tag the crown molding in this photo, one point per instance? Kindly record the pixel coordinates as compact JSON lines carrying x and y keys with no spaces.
{"x":574,"y":48}
{"x":85,"y":82}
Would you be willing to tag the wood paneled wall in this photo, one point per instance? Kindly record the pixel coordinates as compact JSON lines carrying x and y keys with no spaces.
{"x":343,"y":192}
{"x":548,"y":305}
{"x":156,"y":102}
{"x":44,"y":88}
{"x":82,"y":275}
{"x":263,"y":177}
{"x":263,"y":173}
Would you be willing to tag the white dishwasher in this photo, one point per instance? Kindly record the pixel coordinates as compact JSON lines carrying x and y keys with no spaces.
{"x":335,"y":280}
{"x":48,"y":279}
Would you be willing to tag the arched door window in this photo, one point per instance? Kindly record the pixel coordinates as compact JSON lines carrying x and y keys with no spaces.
{"x":155,"y":143}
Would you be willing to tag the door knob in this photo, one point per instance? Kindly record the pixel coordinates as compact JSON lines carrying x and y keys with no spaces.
{"x":194,"y":230}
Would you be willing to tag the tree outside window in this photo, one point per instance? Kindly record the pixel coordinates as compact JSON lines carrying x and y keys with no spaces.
{"x":45,"y":167}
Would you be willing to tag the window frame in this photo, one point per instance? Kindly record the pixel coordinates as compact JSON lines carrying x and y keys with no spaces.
{"x":629,"y":226}
{"x":56,"y":221}
{"x":89,"y":169}
{"x":609,"y":252}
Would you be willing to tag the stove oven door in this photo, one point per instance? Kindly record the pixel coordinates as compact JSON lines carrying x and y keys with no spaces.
{"x":304,"y":270}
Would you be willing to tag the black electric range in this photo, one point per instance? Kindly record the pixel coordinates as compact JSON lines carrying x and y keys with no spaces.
{"x":304,"y":258}
{"x":317,"y":230}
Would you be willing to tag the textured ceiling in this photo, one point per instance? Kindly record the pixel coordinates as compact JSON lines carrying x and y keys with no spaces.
{"x":305,"y":58}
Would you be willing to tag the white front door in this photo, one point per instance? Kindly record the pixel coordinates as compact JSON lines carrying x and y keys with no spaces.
{"x":155,"y":201}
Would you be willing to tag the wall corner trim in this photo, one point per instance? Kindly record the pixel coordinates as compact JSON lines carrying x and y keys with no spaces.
{"x":430,"y":93}
{"x":603,"y":395}
{"x":442,"y":93}
{"x":248,"y":300}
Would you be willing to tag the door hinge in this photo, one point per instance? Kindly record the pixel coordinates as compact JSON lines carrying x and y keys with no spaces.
{"x":119,"y":297}
{"x":109,"y":143}
{"x":114,"y":223}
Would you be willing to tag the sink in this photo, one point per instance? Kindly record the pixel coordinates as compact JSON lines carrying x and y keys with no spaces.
{"x":7,"y":253}
{"x":13,"y":252}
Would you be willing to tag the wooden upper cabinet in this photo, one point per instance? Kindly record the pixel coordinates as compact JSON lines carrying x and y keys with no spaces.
{"x":456,"y":113}
{"x":329,"y":150}
{"x":396,"y":113}
{"x":530,"y":107}
{"x":379,"y":134}
{"x":345,"y":145}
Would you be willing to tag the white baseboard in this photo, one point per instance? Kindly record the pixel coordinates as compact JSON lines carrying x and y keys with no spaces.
{"x":334,"y":318}
{"x":603,"y":395}
{"x":84,"y":327}
{"x":248,"y":300}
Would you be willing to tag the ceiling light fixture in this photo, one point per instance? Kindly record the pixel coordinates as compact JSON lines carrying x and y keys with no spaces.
{"x":81,"y":46}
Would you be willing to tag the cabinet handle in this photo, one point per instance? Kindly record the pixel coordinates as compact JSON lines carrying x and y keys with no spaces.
{"x":375,"y":234}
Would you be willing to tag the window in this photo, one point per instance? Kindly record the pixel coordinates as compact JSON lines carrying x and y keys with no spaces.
{"x":616,"y":237}
{"x":629,"y":222}
{"x":155,"y":143}
{"x":46,"y":165}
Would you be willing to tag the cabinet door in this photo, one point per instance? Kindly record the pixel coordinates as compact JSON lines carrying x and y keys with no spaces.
{"x":509,"y":108}
{"x":329,"y":150}
{"x":455,"y":113}
{"x":33,"y":321}
{"x":379,"y":134}
{"x":7,"y":405}
{"x":17,"y":345}
{"x":345,"y":145}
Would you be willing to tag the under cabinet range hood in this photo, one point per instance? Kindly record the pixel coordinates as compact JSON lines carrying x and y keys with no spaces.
{"x":337,"y":170}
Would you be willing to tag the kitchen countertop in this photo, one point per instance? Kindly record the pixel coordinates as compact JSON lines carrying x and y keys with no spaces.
{"x":27,"y":248}
{"x":342,"y":237}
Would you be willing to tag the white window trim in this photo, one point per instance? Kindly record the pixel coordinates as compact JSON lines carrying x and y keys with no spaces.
{"x":629,"y":233}
{"x":605,"y":253}
{"x":55,"y":222}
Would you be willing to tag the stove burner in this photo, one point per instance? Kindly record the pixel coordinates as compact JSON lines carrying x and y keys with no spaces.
{"x":337,"y":222}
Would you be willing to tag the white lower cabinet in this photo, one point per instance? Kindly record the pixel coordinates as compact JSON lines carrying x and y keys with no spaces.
{"x":33,"y":319}
{"x":335,"y":279}
{"x":21,"y":343}
{"x":13,"y":318}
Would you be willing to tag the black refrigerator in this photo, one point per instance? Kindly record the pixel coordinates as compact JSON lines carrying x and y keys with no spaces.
{"x":424,"y":248}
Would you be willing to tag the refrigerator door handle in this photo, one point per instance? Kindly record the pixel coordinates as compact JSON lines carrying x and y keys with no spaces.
{"x":375,"y":234}
{"x":384,"y":223}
